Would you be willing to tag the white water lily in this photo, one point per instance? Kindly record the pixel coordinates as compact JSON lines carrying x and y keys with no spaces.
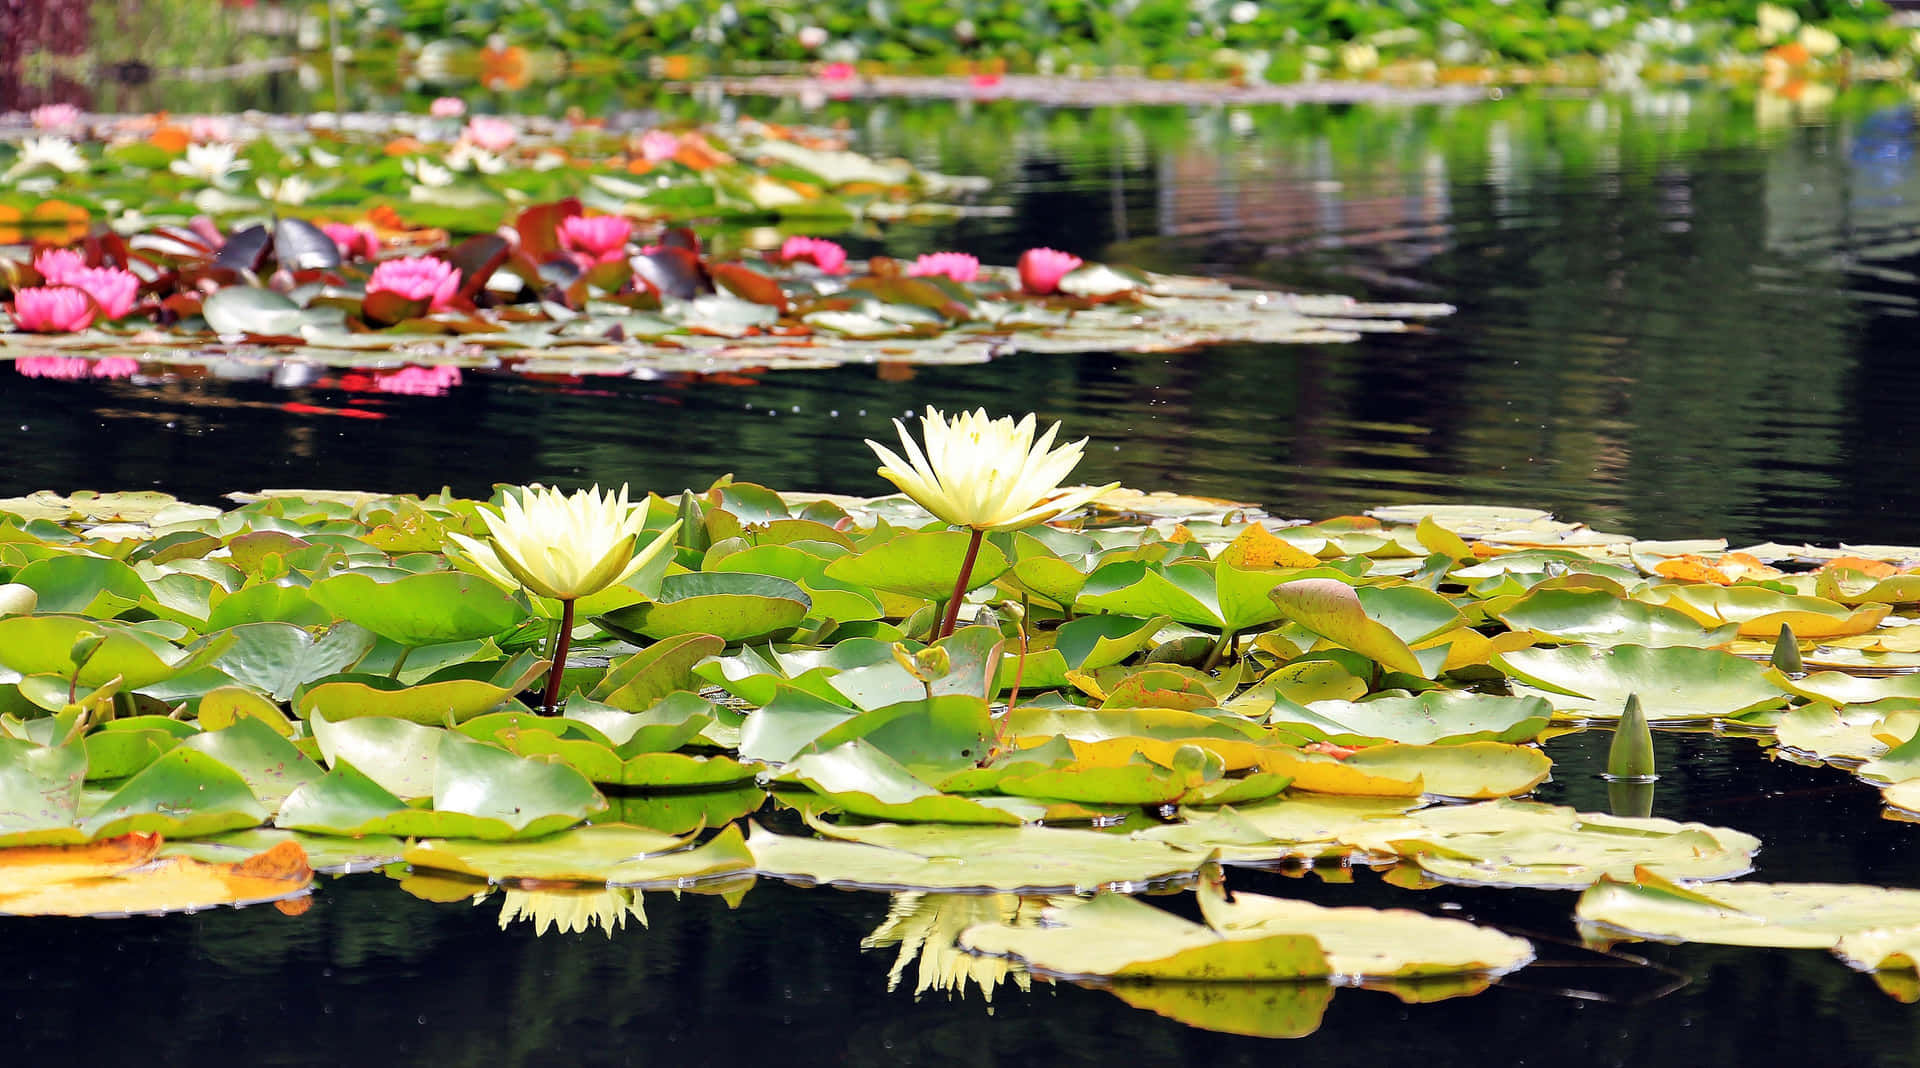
{"x":292,"y":189}
{"x":215,"y":163}
{"x":427,"y":173}
{"x":465,"y":156}
{"x":563,"y":546}
{"x":50,"y":153}
{"x":987,"y":474}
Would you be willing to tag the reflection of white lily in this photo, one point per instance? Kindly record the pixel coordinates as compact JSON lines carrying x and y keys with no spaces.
{"x":55,"y":153}
{"x":292,"y":189}
{"x":468,"y":157}
{"x":928,"y":926}
{"x":215,"y":163}
{"x":573,"y":911}
{"x":427,"y":173}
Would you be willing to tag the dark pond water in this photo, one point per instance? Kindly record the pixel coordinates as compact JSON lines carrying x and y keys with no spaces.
{"x":1679,"y":315}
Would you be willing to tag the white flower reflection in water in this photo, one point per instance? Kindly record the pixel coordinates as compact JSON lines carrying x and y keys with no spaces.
{"x":928,"y":926}
{"x":572,"y":910}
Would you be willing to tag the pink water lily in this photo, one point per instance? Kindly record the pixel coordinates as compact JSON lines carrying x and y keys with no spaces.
{"x":1042,"y":268}
{"x":837,"y":72}
{"x":52,"y":310}
{"x":417,"y":278}
{"x":209,"y":130}
{"x":447,"y":107}
{"x":490,"y":133}
{"x":56,"y":265}
{"x":54,"y":116}
{"x":958,"y":266}
{"x":113,"y":289}
{"x":824,"y":254}
{"x":354,"y":241}
{"x":597,"y":238}
{"x":658,"y":145}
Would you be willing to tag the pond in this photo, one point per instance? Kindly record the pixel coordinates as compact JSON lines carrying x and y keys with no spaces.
{"x":1679,"y":314}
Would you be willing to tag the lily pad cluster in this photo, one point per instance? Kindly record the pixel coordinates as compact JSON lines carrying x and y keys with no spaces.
{"x":538,"y":297}
{"x":1141,"y":696}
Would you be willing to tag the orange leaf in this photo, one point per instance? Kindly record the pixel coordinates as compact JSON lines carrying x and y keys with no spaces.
{"x":1257,"y":547}
{"x":1871,"y":568}
{"x":170,"y":139}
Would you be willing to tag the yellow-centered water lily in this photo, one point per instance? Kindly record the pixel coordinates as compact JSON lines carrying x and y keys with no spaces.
{"x":987,"y":474}
{"x":984,"y":474}
{"x":562,"y":546}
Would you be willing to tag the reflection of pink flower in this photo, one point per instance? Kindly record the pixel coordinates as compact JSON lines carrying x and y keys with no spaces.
{"x":600,"y":238}
{"x":829,"y":257}
{"x":417,"y":278}
{"x":74,"y":368}
{"x":56,"y":265}
{"x":658,"y":145}
{"x":1042,"y":268}
{"x":490,"y":133}
{"x":955,"y":265}
{"x":110,"y":287}
{"x":418,"y":381}
{"x":837,"y":72}
{"x":52,"y":310}
{"x":209,"y":129}
{"x":448,"y":107}
{"x":353,"y":240}
{"x":54,"y":116}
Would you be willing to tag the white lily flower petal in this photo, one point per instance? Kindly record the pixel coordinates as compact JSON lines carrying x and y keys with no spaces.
{"x":985,"y":473}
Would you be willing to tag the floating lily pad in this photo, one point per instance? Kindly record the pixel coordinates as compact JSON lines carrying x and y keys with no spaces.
{"x":1673,"y":683}
{"x":118,"y":877}
{"x":1787,"y":915}
{"x":732,"y":607}
{"x":1439,"y":717}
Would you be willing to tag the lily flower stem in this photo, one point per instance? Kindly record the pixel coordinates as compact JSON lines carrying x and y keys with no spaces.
{"x":1013,"y":698}
{"x":960,"y":585}
{"x":550,"y":703}
{"x":400,"y":661}
{"x":1220,"y":650}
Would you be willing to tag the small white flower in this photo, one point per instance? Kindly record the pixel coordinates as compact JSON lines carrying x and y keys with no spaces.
{"x":292,"y":189}
{"x":427,"y":173}
{"x":468,"y":157}
{"x":811,"y":37}
{"x":1776,"y":23}
{"x":1818,"y":42}
{"x":216,"y":163}
{"x":1244,"y":12}
{"x":56,"y":153}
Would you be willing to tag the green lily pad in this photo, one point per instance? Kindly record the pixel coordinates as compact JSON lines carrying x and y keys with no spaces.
{"x":40,"y":793}
{"x":183,"y":794}
{"x":1787,"y":915}
{"x":638,"y":681}
{"x":922,"y":565}
{"x":1516,"y":843}
{"x":863,"y":781}
{"x":733,"y":607}
{"x":451,"y":701}
{"x":427,"y":609}
{"x":1596,"y":617}
{"x":269,"y":763}
{"x":43,"y":645}
{"x":610,"y":854}
{"x":1438,"y":717}
{"x":1673,"y":684}
{"x":949,"y":857}
{"x":1332,"y":609}
{"x":398,"y":755}
{"x":278,"y":658}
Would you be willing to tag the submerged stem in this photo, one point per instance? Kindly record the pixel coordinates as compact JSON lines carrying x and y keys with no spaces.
{"x":549,"y":704}
{"x":960,"y":586}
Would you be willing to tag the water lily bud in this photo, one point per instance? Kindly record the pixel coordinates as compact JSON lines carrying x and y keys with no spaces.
{"x":18,"y":600}
{"x":1786,"y":652}
{"x":1631,"y":755}
{"x":932,"y":663}
{"x":84,"y":646}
